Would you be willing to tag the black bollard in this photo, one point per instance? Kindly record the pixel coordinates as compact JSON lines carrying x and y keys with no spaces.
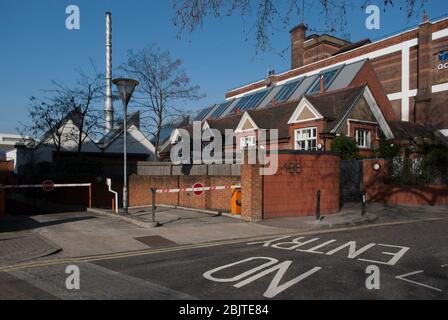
{"x":318,"y":206}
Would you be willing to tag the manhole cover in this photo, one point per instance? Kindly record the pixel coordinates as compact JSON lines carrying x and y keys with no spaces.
{"x":156,"y":242}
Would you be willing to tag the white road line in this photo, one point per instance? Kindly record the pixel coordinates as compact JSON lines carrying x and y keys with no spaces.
{"x":403,"y":277}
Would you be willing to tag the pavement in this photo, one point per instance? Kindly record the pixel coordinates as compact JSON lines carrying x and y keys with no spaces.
{"x":79,"y":234}
{"x":407,"y":260}
{"x":25,"y":247}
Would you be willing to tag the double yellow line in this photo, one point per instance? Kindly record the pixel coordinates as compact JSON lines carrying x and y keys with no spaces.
{"x":147,"y":252}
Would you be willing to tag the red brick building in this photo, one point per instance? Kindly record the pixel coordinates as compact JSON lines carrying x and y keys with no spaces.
{"x":396,"y":88}
{"x":412,"y":67}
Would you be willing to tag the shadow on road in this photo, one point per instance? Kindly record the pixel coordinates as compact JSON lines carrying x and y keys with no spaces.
{"x":26,"y":223}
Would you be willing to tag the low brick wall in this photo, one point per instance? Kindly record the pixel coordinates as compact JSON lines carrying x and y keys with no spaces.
{"x":293,"y":190}
{"x":378,"y":191}
{"x":140,"y":195}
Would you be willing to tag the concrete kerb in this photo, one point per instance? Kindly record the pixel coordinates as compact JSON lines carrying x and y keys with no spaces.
{"x":141,"y":224}
{"x":330,"y":221}
{"x":354,"y":221}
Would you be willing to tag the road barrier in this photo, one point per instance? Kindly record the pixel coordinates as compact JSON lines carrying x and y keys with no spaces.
{"x":46,"y":188}
{"x":237,"y":186}
{"x":196,"y":190}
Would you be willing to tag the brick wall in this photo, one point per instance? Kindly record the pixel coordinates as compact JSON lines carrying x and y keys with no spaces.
{"x":251,"y":191}
{"x":378,"y":191}
{"x":140,"y":195}
{"x":293,"y":190}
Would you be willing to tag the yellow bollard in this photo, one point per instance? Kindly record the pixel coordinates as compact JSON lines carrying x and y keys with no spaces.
{"x":236,"y":202}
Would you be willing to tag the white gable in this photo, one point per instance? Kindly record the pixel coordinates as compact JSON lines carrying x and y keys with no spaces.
{"x":246,"y":124}
{"x":376,"y":111}
{"x":69,"y":138}
{"x":137,"y":143}
{"x":305,"y":111}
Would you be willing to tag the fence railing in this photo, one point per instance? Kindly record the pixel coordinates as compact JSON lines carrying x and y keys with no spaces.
{"x":413,"y":172}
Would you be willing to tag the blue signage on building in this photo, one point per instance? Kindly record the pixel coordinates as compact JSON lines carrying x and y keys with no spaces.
{"x":443,"y":56}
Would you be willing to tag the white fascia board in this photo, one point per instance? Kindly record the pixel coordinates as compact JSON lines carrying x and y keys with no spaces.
{"x":440,"y":87}
{"x":440,"y":34}
{"x":378,"y":114}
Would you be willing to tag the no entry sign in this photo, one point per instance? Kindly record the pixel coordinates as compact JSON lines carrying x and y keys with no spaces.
{"x":48,"y":185}
{"x":198,"y":192}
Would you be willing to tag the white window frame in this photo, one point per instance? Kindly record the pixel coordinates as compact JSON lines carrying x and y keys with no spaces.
{"x":247,"y":141}
{"x":299,"y":138}
{"x":363,"y":138}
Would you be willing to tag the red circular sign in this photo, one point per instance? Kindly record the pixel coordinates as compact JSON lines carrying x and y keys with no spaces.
{"x":48,"y":185}
{"x":198,"y":192}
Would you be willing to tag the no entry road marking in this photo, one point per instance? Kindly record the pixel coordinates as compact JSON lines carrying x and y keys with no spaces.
{"x":394,"y":253}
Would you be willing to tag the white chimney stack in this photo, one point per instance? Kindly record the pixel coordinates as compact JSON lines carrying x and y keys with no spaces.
{"x":108,"y":105}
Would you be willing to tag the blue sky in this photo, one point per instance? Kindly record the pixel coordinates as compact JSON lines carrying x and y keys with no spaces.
{"x":36,"y":48}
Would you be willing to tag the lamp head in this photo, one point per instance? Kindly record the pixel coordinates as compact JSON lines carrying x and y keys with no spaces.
{"x":126,"y":88}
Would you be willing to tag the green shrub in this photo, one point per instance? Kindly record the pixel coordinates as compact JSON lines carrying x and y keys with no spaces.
{"x":387,"y":150}
{"x":345,"y":147}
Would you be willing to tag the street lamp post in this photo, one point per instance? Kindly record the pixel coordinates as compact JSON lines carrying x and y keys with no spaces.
{"x":126,"y":88}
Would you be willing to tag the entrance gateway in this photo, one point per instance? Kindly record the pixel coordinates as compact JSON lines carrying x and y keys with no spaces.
{"x":351,"y":181}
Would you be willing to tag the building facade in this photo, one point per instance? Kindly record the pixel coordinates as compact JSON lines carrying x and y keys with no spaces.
{"x":412,"y":67}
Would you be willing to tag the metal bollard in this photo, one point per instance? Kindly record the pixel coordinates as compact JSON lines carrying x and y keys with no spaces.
{"x":363,"y":208}
{"x":318,"y":206}
{"x":153,"y":192}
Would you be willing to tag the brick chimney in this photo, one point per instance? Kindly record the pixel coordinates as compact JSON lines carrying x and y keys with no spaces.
{"x":425,"y":72}
{"x":298,"y":35}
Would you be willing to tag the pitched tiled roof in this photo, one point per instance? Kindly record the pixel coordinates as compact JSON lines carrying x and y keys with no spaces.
{"x":229,"y":122}
{"x":407,"y":131}
{"x":331,"y":105}
{"x":133,"y":119}
{"x":275,"y":117}
{"x":334,"y":105}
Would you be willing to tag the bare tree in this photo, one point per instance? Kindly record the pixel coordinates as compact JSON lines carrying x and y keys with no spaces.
{"x":163,"y":83}
{"x":81,"y":100}
{"x":50,"y":117}
{"x":48,"y":120}
{"x":272,"y":14}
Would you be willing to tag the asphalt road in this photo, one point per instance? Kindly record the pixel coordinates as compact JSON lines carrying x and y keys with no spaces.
{"x":409,"y":261}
